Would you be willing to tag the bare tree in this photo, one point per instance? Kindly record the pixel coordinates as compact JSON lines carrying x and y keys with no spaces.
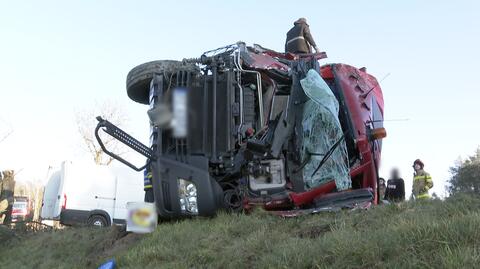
{"x":4,"y":134}
{"x":34,"y":191}
{"x":7,"y":188}
{"x":86,"y":122}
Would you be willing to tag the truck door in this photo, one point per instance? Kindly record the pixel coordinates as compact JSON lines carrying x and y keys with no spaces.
{"x":52,"y":197}
{"x":128,"y":190}
{"x":105,"y":192}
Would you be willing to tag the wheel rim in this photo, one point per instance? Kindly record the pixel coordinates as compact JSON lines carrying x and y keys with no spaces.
{"x":97,"y":223}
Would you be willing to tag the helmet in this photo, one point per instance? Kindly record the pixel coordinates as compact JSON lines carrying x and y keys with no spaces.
{"x":419,"y":162}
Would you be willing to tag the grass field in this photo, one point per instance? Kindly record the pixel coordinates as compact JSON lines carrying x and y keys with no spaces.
{"x":430,"y":234}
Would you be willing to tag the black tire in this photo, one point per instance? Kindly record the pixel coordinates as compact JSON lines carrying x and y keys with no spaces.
{"x":138,"y":79}
{"x":97,"y":221}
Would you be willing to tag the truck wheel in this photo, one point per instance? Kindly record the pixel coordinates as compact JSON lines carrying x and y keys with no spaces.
{"x":97,"y":221}
{"x":138,"y":79}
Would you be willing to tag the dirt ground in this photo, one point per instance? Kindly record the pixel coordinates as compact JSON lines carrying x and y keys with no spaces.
{"x":117,"y":240}
{"x":81,"y":247}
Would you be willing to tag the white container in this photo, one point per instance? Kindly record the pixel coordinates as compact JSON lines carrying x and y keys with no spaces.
{"x":142,"y":217}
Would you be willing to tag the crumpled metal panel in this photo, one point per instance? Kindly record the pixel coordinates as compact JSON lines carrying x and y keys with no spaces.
{"x":264,"y":62}
{"x":321,"y":130}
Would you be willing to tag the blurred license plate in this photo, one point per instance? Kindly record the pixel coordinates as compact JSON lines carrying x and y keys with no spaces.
{"x":141,"y":217}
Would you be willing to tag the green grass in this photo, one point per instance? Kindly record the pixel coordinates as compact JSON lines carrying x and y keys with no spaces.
{"x":431,"y":234}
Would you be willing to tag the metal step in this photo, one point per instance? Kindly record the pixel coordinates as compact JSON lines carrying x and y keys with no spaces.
{"x":126,"y":139}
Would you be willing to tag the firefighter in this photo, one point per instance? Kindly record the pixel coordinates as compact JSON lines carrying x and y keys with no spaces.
{"x":299,"y":39}
{"x":147,"y":185}
{"x":395,"y":187}
{"x":422,"y":181}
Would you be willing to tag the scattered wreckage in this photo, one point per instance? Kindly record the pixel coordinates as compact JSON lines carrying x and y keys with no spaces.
{"x":245,"y":126}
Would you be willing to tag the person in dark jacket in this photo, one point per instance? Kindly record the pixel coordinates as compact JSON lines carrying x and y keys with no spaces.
{"x":395,"y":187}
{"x":299,"y":38}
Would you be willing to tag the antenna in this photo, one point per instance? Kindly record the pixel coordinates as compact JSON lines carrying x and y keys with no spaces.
{"x":391,"y":120}
{"x":378,"y":83}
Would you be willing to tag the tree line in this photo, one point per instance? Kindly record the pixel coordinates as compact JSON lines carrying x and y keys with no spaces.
{"x":465,"y":175}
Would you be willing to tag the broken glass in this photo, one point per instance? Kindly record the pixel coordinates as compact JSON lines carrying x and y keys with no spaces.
{"x":321,"y":131}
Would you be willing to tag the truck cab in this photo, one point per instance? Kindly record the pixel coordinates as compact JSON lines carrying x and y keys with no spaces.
{"x":245,"y":126}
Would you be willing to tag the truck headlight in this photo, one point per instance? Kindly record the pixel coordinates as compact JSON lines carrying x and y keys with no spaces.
{"x":187,"y":191}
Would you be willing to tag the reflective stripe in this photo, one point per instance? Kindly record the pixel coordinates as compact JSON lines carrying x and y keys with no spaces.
{"x":295,"y":38}
{"x":147,"y":186}
{"x":422,"y":177}
{"x":423,"y":196}
{"x":147,"y":180}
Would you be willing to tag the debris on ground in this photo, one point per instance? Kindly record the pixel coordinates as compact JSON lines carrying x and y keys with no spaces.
{"x":111,"y":264}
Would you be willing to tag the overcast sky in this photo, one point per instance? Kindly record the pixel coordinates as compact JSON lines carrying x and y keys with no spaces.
{"x":58,"y":57}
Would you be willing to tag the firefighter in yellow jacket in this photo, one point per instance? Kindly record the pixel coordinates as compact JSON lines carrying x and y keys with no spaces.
{"x":422,"y":181}
{"x":147,"y":185}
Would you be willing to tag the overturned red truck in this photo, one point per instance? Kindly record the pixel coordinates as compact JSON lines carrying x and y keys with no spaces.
{"x":244,"y":126}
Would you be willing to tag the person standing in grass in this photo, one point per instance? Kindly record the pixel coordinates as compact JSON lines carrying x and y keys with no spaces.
{"x":395,"y":187}
{"x":422,"y":181}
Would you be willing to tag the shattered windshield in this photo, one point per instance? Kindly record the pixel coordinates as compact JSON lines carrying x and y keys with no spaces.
{"x":322,"y":133}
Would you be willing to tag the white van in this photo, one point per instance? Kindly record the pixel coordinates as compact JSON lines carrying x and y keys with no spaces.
{"x":90,"y":194}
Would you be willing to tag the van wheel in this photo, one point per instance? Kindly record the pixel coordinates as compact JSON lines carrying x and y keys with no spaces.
{"x":138,"y":79}
{"x":97,"y":221}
